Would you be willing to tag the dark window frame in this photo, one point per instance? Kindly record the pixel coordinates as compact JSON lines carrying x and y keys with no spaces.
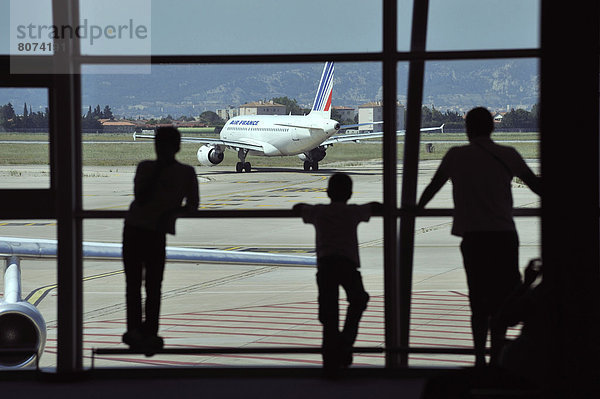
{"x":66,"y":171}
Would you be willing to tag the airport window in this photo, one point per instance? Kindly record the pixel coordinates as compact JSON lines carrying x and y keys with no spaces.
{"x":115,"y":107}
{"x":476,"y":25}
{"x":436,"y":255}
{"x":24,"y":138}
{"x":256,"y":301}
{"x":238,"y":27}
{"x":417,"y":256}
{"x":31,"y":310}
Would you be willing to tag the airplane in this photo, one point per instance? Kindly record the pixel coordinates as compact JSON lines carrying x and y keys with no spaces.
{"x":22,"y":326}
{"x":306,"y":136}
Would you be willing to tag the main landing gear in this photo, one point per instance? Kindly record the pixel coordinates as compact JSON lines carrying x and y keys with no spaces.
{"x":311,"y":164}
{"x":311,"y":158}
{"x":242,"y":166}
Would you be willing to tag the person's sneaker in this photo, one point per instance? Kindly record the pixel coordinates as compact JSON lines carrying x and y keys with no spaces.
{"x":346,"y":358}
{"x":134,"y":339}
{"x":152,"y":344}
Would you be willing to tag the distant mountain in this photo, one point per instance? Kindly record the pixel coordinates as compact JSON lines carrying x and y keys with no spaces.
{"x":191,"y":89}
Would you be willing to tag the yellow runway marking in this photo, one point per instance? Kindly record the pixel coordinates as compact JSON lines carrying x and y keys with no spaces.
{"x":37,"y":295}
{"x":231,"y":248}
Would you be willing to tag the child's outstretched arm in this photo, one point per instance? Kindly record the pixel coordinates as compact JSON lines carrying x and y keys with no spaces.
{"x":297,"y":208}
{"x":376,"y":208}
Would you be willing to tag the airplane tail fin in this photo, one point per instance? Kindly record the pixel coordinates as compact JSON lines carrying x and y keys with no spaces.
{"x":322,"y":104}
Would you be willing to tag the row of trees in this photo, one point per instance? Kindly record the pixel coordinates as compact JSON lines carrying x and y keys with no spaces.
{"x":519,"y":118}
{"x":430,"y":117}
{"x":434,"y":118}
{"x":515,"y":119}
{"x":9,"y":120}
{"x":208,"y":117}
{"x":91,"y":120}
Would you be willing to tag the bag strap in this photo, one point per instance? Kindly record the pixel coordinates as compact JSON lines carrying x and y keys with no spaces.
{"x":496,"y":157}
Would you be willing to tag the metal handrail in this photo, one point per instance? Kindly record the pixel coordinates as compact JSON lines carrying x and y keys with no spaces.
{"x":276,"y":350}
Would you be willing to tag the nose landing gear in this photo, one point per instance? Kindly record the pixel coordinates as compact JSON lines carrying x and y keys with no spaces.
{"x":243,"y":166}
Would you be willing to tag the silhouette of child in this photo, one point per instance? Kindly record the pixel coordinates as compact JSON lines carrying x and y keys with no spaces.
{"x":160,"y":187}
{"x":337,"y":265}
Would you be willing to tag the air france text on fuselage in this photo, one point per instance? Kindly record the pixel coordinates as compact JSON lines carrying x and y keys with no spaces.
{"x":250,"y":123}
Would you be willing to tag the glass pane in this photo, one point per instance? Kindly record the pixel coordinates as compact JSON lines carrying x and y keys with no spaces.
{"x":128,"y":32}
{"x":247,"y":303}
{"x":440,"y":306}
{"x":441,"y":312}
{"x":405,"y":14}
{"x":208,"y":96}
{"x":480,"y":25}
{"x":509,"y":89}
{"x":25,"y":27}
{"x":24,"y":149}
{"x":28,"y":309}
{"x":241,"y":27}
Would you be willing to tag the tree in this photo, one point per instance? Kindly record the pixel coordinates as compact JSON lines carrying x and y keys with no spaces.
{"x":519,"y":119}
{"x":211,"y":118}
{"x":107,"y":113}
{"x":90,"y":120}
{"x":291,"y":105}
{"x":7,"y":116}
{"x":426,"y":117}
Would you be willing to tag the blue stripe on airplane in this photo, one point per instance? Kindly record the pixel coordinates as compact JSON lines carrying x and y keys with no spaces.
{"x":323,"y":91}
{"x":325,"y":85}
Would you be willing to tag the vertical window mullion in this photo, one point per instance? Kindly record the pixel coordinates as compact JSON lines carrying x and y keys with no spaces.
{"x":390,"y":195}
{"x":410,"y":171}
{"x":66,"y":120}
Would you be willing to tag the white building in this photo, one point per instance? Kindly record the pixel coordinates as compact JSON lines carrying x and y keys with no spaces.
{"x":262,"y":108}
{"x":346,"y":113}
{"x":373,"y":112}
{"x":228,"y":113}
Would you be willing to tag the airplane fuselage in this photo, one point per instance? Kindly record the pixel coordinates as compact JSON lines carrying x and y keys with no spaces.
{"x":280,"y":135}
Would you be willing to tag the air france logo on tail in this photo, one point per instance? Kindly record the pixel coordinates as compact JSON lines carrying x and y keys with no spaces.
{"x":323,"y":98}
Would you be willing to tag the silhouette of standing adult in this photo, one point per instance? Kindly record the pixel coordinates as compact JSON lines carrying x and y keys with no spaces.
{"x":160,"y":187}
{"x":481,"y":174}
{"x":337,"y":265}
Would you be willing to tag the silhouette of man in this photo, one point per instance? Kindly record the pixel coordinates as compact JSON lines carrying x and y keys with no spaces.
{"x":481,"y":174}
{"x":160,"y":187}
{"x":523,"y":355}
{"x":337,"y":265}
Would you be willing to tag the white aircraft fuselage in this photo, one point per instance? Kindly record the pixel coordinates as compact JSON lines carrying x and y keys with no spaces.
{"x":279,"y":135}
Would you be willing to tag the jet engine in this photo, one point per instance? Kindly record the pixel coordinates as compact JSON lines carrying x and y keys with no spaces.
{"x":314,"y":155}
{"x":22,"y":327}
{"x":210,"y":155}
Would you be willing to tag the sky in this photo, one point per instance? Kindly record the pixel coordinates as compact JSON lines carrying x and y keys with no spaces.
{"x":289,"y":26}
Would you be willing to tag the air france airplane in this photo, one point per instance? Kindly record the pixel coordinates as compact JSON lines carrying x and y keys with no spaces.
{"x":306,"y":136}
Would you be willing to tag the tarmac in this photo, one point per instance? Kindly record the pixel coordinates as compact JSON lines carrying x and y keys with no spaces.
{"x":245,"y":306}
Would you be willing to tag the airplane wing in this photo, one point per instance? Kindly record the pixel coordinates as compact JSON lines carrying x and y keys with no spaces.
{"x":359,"y":124}
{"x":356,"y":137}
{"x":225,"y":143}
{"x":26,"y":247}
{"x":26,"y":323}
{"x":306,"y":126}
